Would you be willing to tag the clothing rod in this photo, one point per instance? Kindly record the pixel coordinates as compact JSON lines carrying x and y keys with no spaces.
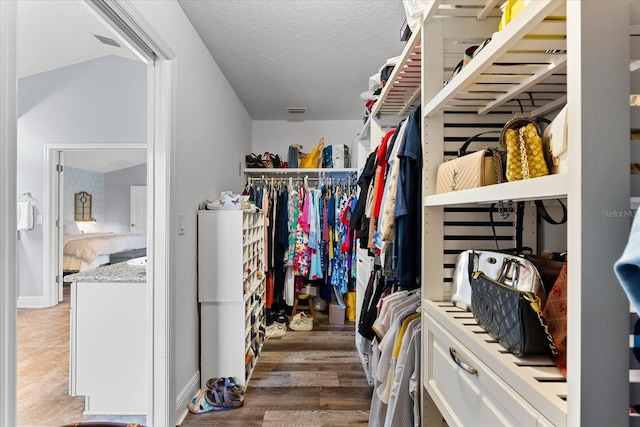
{"x":300,"y":178}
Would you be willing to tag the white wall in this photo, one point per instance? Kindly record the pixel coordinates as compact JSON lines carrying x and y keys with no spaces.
{"x":275,"y":136}
{"x":118,"y":197}
{"x":212,"y":135}
{"x":98,"y":101}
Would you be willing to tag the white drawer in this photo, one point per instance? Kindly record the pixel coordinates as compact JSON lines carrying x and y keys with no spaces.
{"x":470,"y":399}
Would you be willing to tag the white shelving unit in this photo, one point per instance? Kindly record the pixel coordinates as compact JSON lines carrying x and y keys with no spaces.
{"x":231,"y":292}
{"x":256,"y":172}
{"x":538,"y":62}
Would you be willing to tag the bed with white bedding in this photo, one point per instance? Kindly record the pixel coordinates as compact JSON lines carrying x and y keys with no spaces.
{"x":90,"y":250}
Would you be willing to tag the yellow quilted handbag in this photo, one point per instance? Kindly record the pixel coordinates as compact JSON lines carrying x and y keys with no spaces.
{"x":522,"y":139}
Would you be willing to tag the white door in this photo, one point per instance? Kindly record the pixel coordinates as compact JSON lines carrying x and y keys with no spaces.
{"x":60,"y":224}
{"x":138,"y":209}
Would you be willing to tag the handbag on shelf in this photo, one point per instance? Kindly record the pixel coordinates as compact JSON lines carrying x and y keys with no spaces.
{"x":472,"y":170}
{"x":295,"y":155}
{"x":554,"y":141}
{"x":521,"y":138}
{"x":336,"y":156}
{"x":555,"y":314}
{"x":511,"y":269}
{"x":312,"y":160}
{"x":510,"y":316}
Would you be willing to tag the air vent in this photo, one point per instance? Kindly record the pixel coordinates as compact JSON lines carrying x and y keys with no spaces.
{"x":299,"y":110}
{"x":107,"y":41}
{"x":120,"y":163}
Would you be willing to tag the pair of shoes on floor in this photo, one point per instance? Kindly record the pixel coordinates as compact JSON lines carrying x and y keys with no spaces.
{"x":213,"y":400}
{"x":221,"y":394}
{"x":224,"y":384}
{"x":276,"y":330}
{"x":301,"y":322}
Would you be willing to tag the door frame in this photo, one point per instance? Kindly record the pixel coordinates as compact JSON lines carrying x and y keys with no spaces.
{"x":52,"y":291}
{"x":134,"y":30}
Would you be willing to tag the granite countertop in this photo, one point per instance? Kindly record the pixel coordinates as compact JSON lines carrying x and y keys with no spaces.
{"x":121,"y":272}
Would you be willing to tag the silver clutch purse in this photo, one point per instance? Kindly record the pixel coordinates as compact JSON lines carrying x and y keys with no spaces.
{"x":509,"y":269}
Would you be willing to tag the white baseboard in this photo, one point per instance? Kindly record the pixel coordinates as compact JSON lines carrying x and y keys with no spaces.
{"x":185,"y":396}
{"x":31,"y":302}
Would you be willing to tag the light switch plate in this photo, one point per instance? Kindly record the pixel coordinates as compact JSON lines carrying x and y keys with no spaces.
{"x":181,"y":225}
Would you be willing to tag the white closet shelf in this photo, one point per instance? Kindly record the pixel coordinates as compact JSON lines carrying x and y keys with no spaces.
{"x":544,"y":187}
{"x":402,"y":91}
{"x":522,"y":67}
{"x":479,"y":9}
{"x":298,"y":171}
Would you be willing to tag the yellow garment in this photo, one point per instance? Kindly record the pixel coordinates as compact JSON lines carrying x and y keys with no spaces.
{"x":351,"y":306}
{"x":403,"y":329}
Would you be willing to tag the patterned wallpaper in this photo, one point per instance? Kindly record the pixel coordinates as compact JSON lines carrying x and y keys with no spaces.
{"x":76,"y":180}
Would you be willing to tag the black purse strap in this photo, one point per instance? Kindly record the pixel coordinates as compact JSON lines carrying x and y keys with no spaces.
{"x":542,"y":211}
{"x":463,"y":149}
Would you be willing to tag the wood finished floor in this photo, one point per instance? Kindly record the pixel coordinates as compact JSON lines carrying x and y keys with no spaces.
{"x":310,"y":378}
{"x":43,"y":370}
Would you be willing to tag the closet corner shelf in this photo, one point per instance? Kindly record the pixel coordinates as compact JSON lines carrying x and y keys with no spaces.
{"x":403,"y":89}
{"x":545,"y":187}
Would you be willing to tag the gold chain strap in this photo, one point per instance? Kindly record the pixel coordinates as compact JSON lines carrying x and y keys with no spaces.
{"x":523,"y":155}
{"x":502,"y":210}
{"x":534,"y":301}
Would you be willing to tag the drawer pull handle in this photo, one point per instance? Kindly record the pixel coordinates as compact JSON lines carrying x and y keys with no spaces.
{"x":463,"y":365}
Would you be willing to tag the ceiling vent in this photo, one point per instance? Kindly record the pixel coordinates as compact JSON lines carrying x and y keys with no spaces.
{"x":299,"y":110}
{"x":120,"y":163}
{"x":107,"y":41}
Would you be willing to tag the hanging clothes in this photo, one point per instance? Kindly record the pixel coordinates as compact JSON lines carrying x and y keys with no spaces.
{"x":308,"y":238}
{"x":408,"y":206}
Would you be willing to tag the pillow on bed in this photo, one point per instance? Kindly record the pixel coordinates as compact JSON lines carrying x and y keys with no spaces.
{"x":70,"y":227}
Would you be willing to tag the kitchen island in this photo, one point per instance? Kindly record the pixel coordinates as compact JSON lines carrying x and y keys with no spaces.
{"x":108,"y":342}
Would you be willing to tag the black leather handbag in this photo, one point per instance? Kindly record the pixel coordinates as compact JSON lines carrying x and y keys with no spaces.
{"x":510,"y":316}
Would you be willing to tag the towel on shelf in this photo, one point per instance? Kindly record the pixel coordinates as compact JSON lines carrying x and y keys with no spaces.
{"x":25,"y":215}
{"x":627,"y":268}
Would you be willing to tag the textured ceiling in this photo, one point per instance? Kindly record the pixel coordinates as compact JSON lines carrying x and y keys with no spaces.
{"x":316,"y":54}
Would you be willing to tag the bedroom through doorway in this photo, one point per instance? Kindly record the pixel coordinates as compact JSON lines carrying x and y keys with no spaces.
{"x":107,"y":183}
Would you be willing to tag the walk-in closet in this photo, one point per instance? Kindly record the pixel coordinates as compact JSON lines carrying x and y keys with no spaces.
{"x":466,"y":71}
{"x":379,"y":213}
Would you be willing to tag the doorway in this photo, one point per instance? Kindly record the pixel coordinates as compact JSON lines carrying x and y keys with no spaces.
{"x":93,"y":166}
{"x":133,"y":30}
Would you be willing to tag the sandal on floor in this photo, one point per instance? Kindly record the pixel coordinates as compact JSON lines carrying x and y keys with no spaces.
{"x":199,"y":404}
{"x":224,"y":384}
{"x":224,"y":400}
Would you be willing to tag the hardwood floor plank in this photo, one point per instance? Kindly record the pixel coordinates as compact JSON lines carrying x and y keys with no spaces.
{"x":295,"y":379}
{"x":316,"y":418}
{"x":346,"y":398}
{"x":326,"y":357}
